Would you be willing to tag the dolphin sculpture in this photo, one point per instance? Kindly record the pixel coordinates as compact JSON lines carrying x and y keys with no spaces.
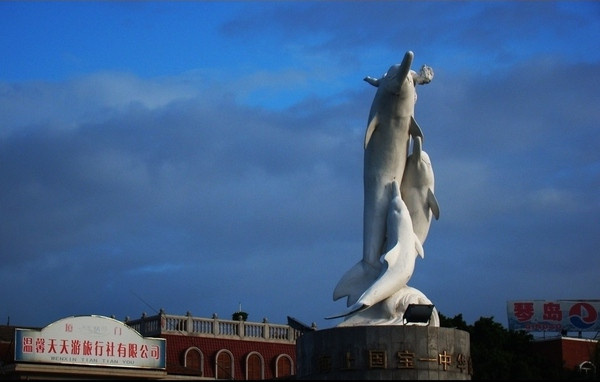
{"x":390,"y":125}
{"x":402,"y":249}
{"x":397,"y":304}
{"x":417,"y":190}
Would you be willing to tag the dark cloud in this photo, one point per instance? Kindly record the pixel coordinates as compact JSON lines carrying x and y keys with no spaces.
{"x":123,"y":193}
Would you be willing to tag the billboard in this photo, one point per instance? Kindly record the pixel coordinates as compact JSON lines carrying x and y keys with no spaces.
{"x":554,"y":315}
{"x":90,"y":340}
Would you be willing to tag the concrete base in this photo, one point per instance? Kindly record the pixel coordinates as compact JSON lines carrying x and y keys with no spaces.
{"x":401,"y":352}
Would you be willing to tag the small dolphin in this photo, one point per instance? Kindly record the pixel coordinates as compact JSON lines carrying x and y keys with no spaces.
{"x":417,"y":190}
{"x":402,"y":249}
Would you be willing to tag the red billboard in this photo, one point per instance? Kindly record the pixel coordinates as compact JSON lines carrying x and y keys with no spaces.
{"x":554,"y":315}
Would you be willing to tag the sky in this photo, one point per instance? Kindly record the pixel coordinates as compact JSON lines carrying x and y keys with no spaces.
{"x":202,"y":156}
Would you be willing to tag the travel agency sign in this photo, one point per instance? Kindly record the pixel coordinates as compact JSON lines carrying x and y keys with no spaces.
{"x":90,"y":340}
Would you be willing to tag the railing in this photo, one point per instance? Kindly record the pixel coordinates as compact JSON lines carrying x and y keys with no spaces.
{"x":163,"y":323}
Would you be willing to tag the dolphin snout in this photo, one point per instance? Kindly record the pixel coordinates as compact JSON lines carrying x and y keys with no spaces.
{"x":405,"y":67}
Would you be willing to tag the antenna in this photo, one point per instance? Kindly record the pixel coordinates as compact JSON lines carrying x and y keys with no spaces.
{"x":142,"y":300}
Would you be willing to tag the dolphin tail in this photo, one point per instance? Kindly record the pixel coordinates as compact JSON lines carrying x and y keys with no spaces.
{"x":355,"y":281}
{"x":433,"y":204}
{"x":357,"y":307}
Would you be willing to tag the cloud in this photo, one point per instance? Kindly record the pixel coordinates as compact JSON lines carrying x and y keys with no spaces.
{"x":238,"y":178}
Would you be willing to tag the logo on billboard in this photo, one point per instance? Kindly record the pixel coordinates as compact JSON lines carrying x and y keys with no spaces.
{"x":583,"y":315}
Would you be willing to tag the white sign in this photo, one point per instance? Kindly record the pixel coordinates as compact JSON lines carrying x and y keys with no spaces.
{"x":90,"y":340}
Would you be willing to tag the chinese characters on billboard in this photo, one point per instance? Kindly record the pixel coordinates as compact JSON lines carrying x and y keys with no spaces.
{"x":90,"y":340}
{"x":554,"y":316}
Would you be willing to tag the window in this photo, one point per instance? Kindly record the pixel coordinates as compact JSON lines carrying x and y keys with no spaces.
{"x":587,"y":368}
{"x":255,"y":367}
{"x":194,"y":359}
{"x":224,"y":366}
{"x":284,"y":366}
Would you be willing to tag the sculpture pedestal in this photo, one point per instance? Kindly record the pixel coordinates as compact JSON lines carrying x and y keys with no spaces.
{"x":392,"y":352}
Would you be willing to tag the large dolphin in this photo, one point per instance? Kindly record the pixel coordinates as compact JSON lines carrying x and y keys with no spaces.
{"x":417,"y":190}
{"x":401,"y":251}
{"x":390,"y":125}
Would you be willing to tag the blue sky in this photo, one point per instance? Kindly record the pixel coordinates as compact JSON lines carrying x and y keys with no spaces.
{"x":194,"y":156}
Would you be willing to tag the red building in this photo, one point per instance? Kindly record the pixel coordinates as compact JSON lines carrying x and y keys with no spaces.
{"x":186,"y":347}
{"x":574,"y":354}
{"x":223,"y":349}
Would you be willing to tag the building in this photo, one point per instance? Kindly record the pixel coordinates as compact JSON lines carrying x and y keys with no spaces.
{"x":81,"y":347}
{"x":214,"y":348}
{"x":541,"y":317}
{"x":176,"y":347}
{"x":576,"y":355}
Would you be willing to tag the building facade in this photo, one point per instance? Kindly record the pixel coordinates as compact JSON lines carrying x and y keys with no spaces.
{"x":576,"y":355}
{"x":152,"y":347}
{"x":214,"y":348}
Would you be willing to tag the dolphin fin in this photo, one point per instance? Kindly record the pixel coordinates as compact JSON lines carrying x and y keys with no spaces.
{"x":355,"y":281}
{"x":414,"y":129}
{"x":433,"y":204}
{"x":417,"y":150}
{"x":371,"y":128}
{"x":372,"y":81}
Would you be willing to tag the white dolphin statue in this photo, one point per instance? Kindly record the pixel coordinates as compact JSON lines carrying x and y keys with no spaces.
{"x":417,"y":190}
{"x":390,"y":125}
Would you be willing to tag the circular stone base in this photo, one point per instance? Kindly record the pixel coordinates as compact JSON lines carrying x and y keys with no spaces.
{"x":401,"y":352}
